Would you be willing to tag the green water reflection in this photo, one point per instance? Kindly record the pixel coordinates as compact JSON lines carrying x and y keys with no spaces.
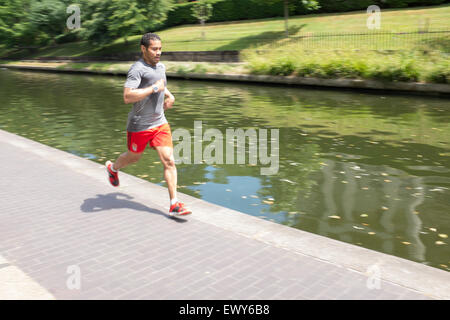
{"x":368,"y":169}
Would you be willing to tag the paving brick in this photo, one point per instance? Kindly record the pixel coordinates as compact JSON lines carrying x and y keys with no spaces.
{"x":129,"y":251}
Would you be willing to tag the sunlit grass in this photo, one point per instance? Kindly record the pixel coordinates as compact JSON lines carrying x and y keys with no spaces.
{"x":240,"y":35}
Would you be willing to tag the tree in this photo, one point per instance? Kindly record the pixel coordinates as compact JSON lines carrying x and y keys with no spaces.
{"x":202,"y":11}
{"x":127,"y":19}
{"x":48,"y":19}
{"x":12,"y":15}
{"x":94,"y":27}
{"x":308,"y":4}
{"x":110,"y":19}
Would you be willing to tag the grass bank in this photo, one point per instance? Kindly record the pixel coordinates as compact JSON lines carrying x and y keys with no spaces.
{"x":241,"y":35}
{"x":181,"y":68}
{"x":405,"y":66}
{"x":409,"y":67}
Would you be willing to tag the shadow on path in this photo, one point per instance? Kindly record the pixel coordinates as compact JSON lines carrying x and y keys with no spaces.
{"x":119,"y":200}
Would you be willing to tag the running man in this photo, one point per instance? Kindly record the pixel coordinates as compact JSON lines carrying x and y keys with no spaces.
{"x":146,"y":88}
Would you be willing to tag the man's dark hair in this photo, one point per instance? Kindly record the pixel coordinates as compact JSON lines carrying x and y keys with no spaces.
{"x":146,"y":38}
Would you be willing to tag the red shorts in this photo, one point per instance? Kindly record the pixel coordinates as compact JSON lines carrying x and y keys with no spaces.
{"x":155,"y":137}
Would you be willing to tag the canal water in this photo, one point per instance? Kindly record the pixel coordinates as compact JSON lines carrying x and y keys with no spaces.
{"x":365,"y":168}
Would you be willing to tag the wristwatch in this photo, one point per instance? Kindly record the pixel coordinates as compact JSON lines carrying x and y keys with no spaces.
{"x":155,"y":89}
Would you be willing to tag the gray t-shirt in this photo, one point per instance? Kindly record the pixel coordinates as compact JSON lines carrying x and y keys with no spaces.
{"x":149,"y":112}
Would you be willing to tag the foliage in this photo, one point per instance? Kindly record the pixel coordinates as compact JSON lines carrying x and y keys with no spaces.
{"x":405,"y":67}
{"x":43,"y":22}
{"x":108,"y":20}
{"x":202,"y":11}
{"x":439,"y":73}
{"x":25,"y":22}
{"x":33,"y":22}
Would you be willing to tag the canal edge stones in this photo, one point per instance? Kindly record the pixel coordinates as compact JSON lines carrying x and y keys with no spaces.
{"x":358,"y":84}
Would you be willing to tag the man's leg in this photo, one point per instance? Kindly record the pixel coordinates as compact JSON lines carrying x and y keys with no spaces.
{"x":170,"y":171}
{"x":136,"y":142}
{"x":126,"y":159}
{"x":165,"y":153}
{"x":123,"y":160}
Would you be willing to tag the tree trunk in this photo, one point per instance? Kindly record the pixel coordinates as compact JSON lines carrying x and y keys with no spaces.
{"x":202,"y":22}
{"x":286,"y":16}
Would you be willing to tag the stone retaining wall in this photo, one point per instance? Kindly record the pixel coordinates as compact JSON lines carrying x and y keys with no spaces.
{"x":358,"y":84}
{"x":197,"y":56}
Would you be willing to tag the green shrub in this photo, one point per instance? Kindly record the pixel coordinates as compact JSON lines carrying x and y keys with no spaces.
{"x":182,"y":70}
{"x":395,"y":72}
{"x":310,"y":69}
{"x":344,"y":5}
{"x":199,"y":68}
{"x":282,"y":67}
{"x":258,"y":67}
{"x":339,"y":69}
{"x":394,"y":66}
{"x":256,"y":63}
{"x":439,"y":74}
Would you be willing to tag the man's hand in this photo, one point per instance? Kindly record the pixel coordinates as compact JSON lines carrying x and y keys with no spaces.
{"x":134,"y":95}
{"x":160,"y":84}
{"x":168,"y":102}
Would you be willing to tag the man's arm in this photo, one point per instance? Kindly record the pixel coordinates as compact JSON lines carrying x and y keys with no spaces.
{"x":131,"y":95}
{"x":169,"y":99}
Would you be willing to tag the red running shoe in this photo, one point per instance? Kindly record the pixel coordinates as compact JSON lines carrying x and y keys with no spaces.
{"x":113,"y":176}
{"x":178,"y":209}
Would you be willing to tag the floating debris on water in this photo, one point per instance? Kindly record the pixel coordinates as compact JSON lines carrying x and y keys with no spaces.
{"x":437,"y":189}
{"x":334,"y":217}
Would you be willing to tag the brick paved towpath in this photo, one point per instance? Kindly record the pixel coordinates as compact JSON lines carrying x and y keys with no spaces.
{"x":63,"y":225}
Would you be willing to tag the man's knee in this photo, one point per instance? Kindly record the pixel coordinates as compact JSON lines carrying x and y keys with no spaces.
{"x":168,"y":162}
{"x":133,"y":157}
{"x":167,"y":158}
